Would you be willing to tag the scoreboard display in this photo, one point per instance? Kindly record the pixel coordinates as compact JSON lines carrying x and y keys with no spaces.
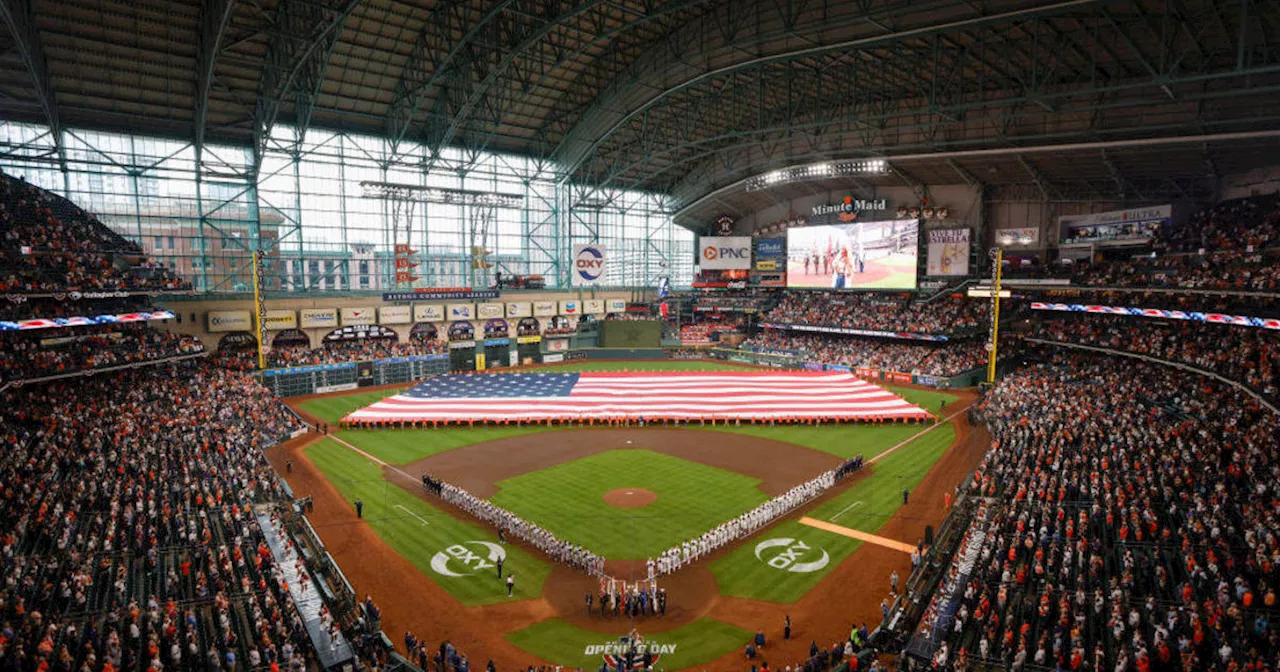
{"x":629,"y":334}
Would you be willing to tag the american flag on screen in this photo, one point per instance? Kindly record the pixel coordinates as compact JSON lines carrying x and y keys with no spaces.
{"x":525,"y":397}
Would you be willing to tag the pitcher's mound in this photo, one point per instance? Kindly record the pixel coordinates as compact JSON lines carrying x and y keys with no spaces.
{"x":629,"y":498}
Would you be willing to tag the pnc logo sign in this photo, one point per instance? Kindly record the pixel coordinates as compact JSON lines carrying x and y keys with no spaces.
{"x":458,"y":560}
{"x":791,"y":555}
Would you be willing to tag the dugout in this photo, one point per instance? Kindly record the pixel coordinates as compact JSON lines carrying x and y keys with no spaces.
{"x":497,"y":352}
{"x":462,"y":347}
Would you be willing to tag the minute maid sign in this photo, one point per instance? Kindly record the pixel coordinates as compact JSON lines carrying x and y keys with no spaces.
{"x":847,"y":210}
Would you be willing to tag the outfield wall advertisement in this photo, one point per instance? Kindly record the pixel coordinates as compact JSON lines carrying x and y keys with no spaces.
{"x":860,"y":255}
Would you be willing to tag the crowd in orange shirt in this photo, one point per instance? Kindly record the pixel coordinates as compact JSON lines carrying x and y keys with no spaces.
{"x":127,"y":529}
{"x":1136,"y":524}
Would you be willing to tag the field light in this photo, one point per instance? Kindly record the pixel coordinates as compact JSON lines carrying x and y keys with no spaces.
{"x":818,"y":171}
{"x":418,"y":194}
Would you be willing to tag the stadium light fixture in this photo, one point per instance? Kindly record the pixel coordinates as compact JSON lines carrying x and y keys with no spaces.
{"x":419,"y":194}
{"x":817,"y":171}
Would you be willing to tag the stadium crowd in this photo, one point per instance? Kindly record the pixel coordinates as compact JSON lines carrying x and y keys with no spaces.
{"x":947,"y":359}
{"x":1134,"y":525}
{"x":48,"y":244}
{"x":880,"y":312}
{"x":1243,"y":354}
{"x":50,"y":352}
{"x":127,"y":527}
{"x":363,"y":349}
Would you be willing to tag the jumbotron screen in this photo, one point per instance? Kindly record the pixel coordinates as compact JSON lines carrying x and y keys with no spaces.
{"x":859,"y":255}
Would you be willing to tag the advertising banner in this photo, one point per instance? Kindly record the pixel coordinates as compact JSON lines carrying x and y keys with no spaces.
{"x":615,"y":306}
{"x":570,"y":308}
{"x":552,"y":359}
{"x":948,"y":252}
{"x":352,"y":316}
{"x":858,"y":255}
{"x":544,"y":308}
{"x":525,"y":340}
{"x":489,"y":311}
{"x":1021,"y":237}
{"x":229,"y":320}
{"x":432,"y":312}
{"x":461,"y":345}
{"x":394,"y":315}
{"x":766,"y":265}
{"x":589,"y":265}
{"x":437,"y":294}
{"x":724,"y":253}
{"x":1159,"y":213}
{"x":459,"y":312}
{"x":771,"y":248}
{"x":557,"y":345}
{"x":593,"y":307}
{"x":897,"y":377}
{"x":522,"y":309}
{"x":855,"y":332}
{"x":281,"y":319}
{"x":309,"y":318}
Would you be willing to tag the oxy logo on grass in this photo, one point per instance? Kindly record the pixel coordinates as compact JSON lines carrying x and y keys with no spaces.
{"x":458,"y":560}
{"x":791,"y":555}
{"x":614,"y":653}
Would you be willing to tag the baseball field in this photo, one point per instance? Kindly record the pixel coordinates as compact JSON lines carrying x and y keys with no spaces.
{"x":626,"y":494}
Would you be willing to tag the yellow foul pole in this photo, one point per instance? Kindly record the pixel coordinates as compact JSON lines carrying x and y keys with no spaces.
{"x":259,"y":312}
{"x":995,"y":316}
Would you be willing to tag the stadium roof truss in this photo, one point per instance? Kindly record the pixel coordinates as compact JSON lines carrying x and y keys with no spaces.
{"x":682,"y":97}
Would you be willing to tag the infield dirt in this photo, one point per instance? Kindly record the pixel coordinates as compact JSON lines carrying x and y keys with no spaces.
{"x":409,"y":600}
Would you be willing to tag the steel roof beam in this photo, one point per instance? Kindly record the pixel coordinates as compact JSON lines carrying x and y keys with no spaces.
{"x":301,"y":41}
{"x":576,"y":148}
{"x":215,"y":16}
{"x":19,"y":18}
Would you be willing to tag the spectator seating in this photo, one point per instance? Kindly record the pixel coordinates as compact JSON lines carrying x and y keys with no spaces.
{"x":27,"y":355}
{"x":948,"y":315}
{"x":1243,"y":354}
{"x":1134,"y":524}
{"x":47,"y":244}
{"x":947,"y":359}
{"x":365,"y":349}
{"x":127,"y":526}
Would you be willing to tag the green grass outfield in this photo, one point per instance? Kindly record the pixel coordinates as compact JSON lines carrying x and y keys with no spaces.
{"x":419,"y":531}
{"x":865,"y":506}
{"x":698,"y":643}
{"x":567,"y":499}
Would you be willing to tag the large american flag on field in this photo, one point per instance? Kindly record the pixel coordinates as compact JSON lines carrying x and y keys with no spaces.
{"x":532,"y":397}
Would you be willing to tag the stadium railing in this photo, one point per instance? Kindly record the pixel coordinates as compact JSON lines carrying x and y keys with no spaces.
{"x":4,"y":385}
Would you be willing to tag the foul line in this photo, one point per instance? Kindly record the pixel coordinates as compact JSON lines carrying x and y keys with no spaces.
{"x":920,"y":433}
{"x":860,"y":536}
{"x":842,"y":511}
{"x":402,"y":508}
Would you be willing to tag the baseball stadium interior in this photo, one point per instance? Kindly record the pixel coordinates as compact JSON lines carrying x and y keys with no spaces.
{"x":721,"y":335}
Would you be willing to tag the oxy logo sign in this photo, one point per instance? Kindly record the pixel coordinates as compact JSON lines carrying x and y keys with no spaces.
{"x":787,"y":554}
{"x":588,"y":264}
{"x":458,"y":560}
